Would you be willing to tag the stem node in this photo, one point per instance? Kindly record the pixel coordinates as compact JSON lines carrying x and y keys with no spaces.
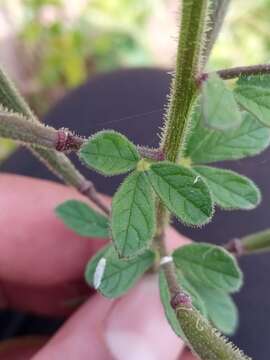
{"x":181,"y":299}
{"x":67,"y":141}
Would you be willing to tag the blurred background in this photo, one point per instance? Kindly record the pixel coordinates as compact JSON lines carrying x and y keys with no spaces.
{"x":51,"y":46}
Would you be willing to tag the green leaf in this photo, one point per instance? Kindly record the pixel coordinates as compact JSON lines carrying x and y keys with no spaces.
{"x":109,"y":153}
{"x":229,"y":189}
{"x":253,"y":94}
{"x":133,"y":215}
{"x":220,"y":308}
{"x":208,"y":265}
{"x":219,"y":107}
{"x":206,"y":145}
{"x":113,"y":276}
{"x":85,"y":221}
{"x":182,"y":192}
{"x":260,"y":80}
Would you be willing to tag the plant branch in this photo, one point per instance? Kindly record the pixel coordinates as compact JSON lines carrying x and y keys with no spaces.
{"x":16,"y":127}
{"x":251,"y":244}
{"x":152,"y":154}
{"x":184,"y":88}
{"x":203,"y":338}
{"x":207,"y":343}
{"x":183,"y":92}
{"x":217,"y":15}
{"x":63,"y":168}
{"x":159,"y":240}
{"x":11,"y":100}
{"x":235,"y":72}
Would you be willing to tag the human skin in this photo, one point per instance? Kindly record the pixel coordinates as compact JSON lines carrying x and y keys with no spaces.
{"x":41,"y":271}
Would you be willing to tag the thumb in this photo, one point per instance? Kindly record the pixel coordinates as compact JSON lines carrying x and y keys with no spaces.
{"x":133,"y":327}
{"x":136,"y":327}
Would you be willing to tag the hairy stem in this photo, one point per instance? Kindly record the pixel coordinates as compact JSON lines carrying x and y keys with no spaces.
{"x":203,"y":338}
{"x":183,"y":93}
{"x":235,"y":72}
{"x":62,"y":167}
{"x":217,"y":15}
{"x":11,"y":100}
{"x":205,"y":341}
{"x":251,"y":244}
{"x":16,"y":127}
{"x":162,"y":223}
{"x":184,"y":89}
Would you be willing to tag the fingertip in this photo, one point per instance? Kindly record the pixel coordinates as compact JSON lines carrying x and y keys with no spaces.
{"x":81,"y":337}
{"x":32,"y":237}
{"x":136,"y":327}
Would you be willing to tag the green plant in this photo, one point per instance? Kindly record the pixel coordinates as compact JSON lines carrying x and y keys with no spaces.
{"x":207,"y":120}
{"x":64,"y":51}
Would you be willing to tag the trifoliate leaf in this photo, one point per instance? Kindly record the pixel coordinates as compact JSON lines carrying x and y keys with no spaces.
{"x":253,"y":94}
{"x":208,"y":265}
{"x":183,"y":193}
{"x":109,"y":153}
{"x":220,"y":308}
{"x":206,"y":145}
{"x":113,"y":276}
{"x":133,"y":215}
{"x":85,"y":221}
{"x":229,"y":189}
{"x":219,"y":107}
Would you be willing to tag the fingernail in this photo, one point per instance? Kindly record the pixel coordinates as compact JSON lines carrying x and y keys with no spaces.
{"x":136,"y":327}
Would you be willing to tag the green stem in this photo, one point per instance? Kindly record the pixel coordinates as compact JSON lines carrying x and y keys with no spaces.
{"x":184,"y":89}
{"x":162,"y":223}
{"x":11,"y":100}
{"x":217,"y":15}
{"x":257,"y":242}
{"x":203,"y":339}
{"x":183,"y":92}
{"x":232,"y":73}
{"x":205,"y":342}
{"x":63,"y":168}
{"x":254,"y":243}
{"x":16,"y":127}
